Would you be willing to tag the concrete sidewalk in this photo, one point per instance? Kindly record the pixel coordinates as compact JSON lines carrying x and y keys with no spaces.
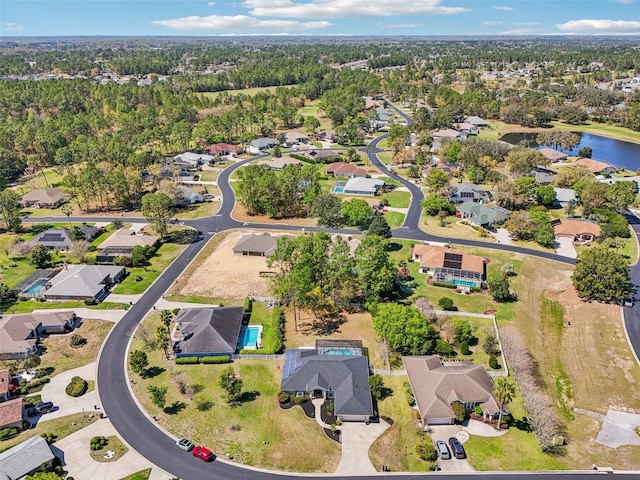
{"x":54,"y":391}
{"x":78,"y":462}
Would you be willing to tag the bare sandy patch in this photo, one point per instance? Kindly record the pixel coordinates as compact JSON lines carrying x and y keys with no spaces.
{"x":225,"y":275}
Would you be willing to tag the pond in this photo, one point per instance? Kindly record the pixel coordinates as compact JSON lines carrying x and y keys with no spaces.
{"x":616,"y":152}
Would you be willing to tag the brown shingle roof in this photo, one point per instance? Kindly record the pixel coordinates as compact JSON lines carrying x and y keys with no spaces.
{"x":594,"y":166}
{"x":344,"y":168}
{"x":49,"y":196}
{"x":435,"y":386}
{"x":10,"y":412}
{"x":433,"y":256}
{"x":577,"y":227}
{"x":552,"y":154}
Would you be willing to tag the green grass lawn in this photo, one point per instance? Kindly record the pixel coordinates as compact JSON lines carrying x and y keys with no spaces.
{"x":140,"y":278}
{"x":141,"y":475}
{"x":199,"y":210}
{"x":209,"y":175}
{"x":385,"y":157}
{"x":398,"y":199}
{"x":257,"y":432}
{"x":602,"y":129}
{"x":27,"y":306}
{"x":518,"y":449}
{"x":61,"y":427}
{"x":114,"y":444}
{"x":395,"y":219}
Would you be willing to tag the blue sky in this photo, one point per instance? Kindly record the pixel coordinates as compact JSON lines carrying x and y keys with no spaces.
{"x":318,"y":17}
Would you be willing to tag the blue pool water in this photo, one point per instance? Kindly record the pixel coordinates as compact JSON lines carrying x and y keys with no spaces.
{"x":338,"y":189}
{"x":341,"y":351}
{"x":464,"y":283}
{"x":250,"y":337}
{"x":35,"y":289}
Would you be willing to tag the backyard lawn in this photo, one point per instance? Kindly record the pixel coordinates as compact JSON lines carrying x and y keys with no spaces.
{"x":397,"y":198}
{"x":28,"y":306}
{"x":141,"y":475}
{"x":395,"y":219}
{"x":257,"y":432}
{"x":200,"y":210}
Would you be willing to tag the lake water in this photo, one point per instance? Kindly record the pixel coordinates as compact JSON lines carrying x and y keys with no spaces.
{"x":616,"y":152}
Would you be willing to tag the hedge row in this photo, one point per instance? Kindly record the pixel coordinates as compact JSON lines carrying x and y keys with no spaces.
{"x":204,"y":360}
{"x":247,"y":305}
{"x":77,"y":387}
{"x":35,"y":383}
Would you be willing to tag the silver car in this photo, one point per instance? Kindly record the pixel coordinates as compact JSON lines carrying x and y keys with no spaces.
{"x":443,"y":450}
{"x":184,"y":444}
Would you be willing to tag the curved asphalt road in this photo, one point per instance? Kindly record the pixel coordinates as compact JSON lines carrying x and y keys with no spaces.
{"x":142,"y":434}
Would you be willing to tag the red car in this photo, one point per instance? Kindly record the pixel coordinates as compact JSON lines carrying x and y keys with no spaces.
{"x":202,"y":453}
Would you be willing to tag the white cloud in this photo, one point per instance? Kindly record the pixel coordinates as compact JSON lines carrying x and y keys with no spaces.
{"x":347,"y":8}
{"x":504,"y":9}
{"x":600,"y":26}
{"x":237,"y":23}
{"x":402,"y":25}
{"x":520,"y":31}
{"x":491,"y":23}
{"x":10,"y":27}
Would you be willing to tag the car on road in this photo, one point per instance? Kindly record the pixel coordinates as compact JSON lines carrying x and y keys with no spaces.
{"x":456,"y":448}
{"x":185,"y":444}
{"x":628,"y":302}
{"x":443,"y":450}
{"x":202,"y":453}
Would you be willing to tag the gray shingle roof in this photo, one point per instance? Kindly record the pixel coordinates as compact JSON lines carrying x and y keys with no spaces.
{"x":81,"y":280}
{"x":209,"y":330}
{"x":347,"y":376}
{"x":24,"y":458}
{"x":54,"y":238}
{"x":263,"y":244}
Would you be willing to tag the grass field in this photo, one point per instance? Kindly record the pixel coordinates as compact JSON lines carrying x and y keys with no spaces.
{"x":397,"y":198}
{"x":257,"y":432}
{"x":141,"y":475}
{"x":200,"y":210}
{"x":140,"y":278}
{"x":602,"y":129}
{"x":61,"y":427}
{"x":114,"y":444}
{"x":395,"y":219}
{"x":28,"y":306}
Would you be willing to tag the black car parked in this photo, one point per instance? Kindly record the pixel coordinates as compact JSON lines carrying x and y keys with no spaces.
{"x":456,"y":448}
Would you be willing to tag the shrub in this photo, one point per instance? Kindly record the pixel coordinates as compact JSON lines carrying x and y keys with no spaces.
{"x":215,"y":360}
{"x":477,"y":410}
{"x":77,"y":387}
{"x":203,"y":403}
{"x":186,"y":360}
{"x":77,"y":341}
{"x":458,"y":410}
{"x":464,"y":348}
{"x":49,"y":437}
{"x":446,"y":303}
{"x":8,"y":433}
{"x":90,"y":301}
{"x":493,"y":362}
{"x":444,"y":285}
{"x":284,"y":397}
{"x":490,"y":345}
{"x":247,"y":305}
{"x":35,"y":383}
{"x":409,"y":394}
{"x":299,"y":399}
{"x":426,"y":450}
{"x":97,"y":443}
{"x":26,"y":424}
{"x":175,"y":311}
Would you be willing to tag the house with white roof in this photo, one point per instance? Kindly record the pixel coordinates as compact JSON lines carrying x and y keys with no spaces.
{"x":363,"y":186}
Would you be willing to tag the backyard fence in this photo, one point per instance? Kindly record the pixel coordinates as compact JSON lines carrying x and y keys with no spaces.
{"x":257,"y":357}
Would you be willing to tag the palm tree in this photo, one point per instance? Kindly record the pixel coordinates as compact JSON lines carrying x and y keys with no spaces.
{"x":504,"y":391}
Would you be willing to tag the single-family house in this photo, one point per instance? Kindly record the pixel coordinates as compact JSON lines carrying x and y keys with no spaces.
{"x":326,"y":136}
{"x":564,"y":196}
{"x":54,"y":238}
{"x":169,"y":171}
{"x":187,"y":196}
{"x":259,"y":144}
{"x":295,"y":138}
{"x":466,"y":192}
{"x":370,"y":103}
{"x":543,"y":176}
{"x":436,"y":162}
{"x":466,"y":127}
{"x":436,"y":385}
{"x":19,"y":333}
{"x":83,"y":282}
{"x":446,"y":265}
{"x":596,"y":167}
{"x":25,"y":458}
{"x":90,"y":232}
{"x":381,"y":119}
{"x":448,"y":133}
{"x":579,"y":230}
{"x":223,"y":149}
{"x":481,"y":215}
{"x":612,"y":180}
{"x":11,"y":409}
{"x":208,"y":331}
{"x":192,"y":160}
{"x":335,"y":370}
{"x":477,"y":121}
{"x":280,"y":163}
{"x":253,"y":245}
{"x":121,"y":244}
{"x":553,"y":154}
{"x":344,"y":170}
{"x":363,"y":186}
{"x":49,"y":198}
{"x":321,"y":155}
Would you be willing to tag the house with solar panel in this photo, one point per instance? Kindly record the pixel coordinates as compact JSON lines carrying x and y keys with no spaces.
{"x":334,"y":370}
{"x":54,"y":239}
{"x":446,"y":265}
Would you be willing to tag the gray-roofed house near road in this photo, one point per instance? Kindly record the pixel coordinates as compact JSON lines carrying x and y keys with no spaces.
{"x":481,"y":215}
{"x":25,"y":458}
{"x":49,"y":198}
{"x":83,"y":282}
{"x":564,"y":196}
{"x":436,"y":384}
{"x":208,"y":331}
{"x":59,"y":238}
{"x":337,"y":373}
{"x":253,"y":245}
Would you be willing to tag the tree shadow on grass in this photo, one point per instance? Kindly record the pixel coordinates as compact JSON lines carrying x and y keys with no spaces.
{"x":248,"y":396}
{"x":521,"y":424}
{"x":153,"y":372}
{"x":175,"y":408}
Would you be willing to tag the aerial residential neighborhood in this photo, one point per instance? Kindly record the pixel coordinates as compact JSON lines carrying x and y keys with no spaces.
{"x":237,"y":256}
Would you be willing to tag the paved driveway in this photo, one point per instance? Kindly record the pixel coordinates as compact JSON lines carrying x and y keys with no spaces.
{"x":444,"y":432}
{"x":564,"y":247}
{"x":357,"y":438}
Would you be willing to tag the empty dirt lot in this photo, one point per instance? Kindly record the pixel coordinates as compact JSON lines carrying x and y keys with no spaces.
{"x":221,"y":274}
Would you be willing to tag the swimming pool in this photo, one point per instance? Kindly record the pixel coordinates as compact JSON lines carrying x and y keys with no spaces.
{"x":250,"y":338}
{"x":341,"y":351}
{"x":338,"y":187}
{"x":36,"y":288}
